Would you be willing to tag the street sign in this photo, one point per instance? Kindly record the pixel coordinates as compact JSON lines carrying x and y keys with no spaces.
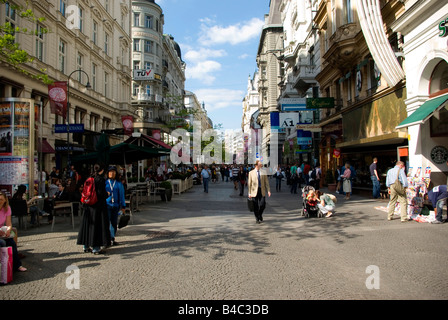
{"x":73,"y":128}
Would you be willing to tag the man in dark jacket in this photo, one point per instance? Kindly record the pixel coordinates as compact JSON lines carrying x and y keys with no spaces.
{"x":438,"y":196}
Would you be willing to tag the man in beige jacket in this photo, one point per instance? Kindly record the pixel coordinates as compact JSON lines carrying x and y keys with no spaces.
{"x":258,"y":185}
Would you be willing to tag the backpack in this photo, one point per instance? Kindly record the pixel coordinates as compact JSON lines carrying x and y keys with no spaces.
{"x":313,"y":174}
{"x":88,"y":195}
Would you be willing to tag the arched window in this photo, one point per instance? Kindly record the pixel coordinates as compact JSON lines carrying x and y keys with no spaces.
{"x":439,"y":79}
{"x":439,"y":85}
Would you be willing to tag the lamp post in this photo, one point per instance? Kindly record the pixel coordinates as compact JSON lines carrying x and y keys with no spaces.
{"x":68,"y":110}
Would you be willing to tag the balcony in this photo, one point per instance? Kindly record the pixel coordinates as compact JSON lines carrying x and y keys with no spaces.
{"x":344,"y":46}
{"x":148,"y":98}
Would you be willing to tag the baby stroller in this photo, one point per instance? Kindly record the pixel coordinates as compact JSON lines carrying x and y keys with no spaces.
{"x":309,"y":209}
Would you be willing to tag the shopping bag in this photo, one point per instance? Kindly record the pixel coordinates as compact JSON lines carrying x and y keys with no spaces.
{"x":250,"y":204}
{"x":6,"y":262}
{"x":123,"y":220}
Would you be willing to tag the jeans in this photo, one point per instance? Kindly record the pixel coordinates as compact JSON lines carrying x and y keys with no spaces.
{"x":278,"y":184}
{"x":113,"y":218}
{"x":439,"y":207}
{"x":205,"y":181}
{"x":376,"y":187}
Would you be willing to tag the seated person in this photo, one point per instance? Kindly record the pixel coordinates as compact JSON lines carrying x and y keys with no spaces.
{"x":34,"y":210}
{"x":326,"y":204}
{"x":60,"y":196}
{"x":53,"y":188}
{"x":6,"y":238}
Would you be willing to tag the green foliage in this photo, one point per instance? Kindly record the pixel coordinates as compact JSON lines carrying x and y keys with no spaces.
{"x":10,"y":51}
{"x":166,"y":184}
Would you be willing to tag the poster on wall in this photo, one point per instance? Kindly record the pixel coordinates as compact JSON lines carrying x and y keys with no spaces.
{"x":14,"y":170}
{"x":21,"y":128}
{"x":5,"y":129}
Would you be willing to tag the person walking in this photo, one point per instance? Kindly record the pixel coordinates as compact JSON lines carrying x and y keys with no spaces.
{"x":346,"y":183}
{"x":397,"y":182}
{"x":258,"y":186}
{"x":278,"y":179}
{"x":94,"y":231}
{"x":205,"y":176}
{"x":375,"y":179}
{"x":115,"y":201}
{"x":242,"y":178}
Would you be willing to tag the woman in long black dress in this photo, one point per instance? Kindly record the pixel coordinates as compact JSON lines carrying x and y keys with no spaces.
{"x":94,"y":232}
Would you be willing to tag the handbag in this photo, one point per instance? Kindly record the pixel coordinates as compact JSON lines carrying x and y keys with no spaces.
{"x":123,"y":220}
{"x":6,"y":265}
{"x":250,"y":204}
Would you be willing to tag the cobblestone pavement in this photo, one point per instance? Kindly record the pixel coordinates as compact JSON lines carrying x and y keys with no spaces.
{"x":208,"y":247}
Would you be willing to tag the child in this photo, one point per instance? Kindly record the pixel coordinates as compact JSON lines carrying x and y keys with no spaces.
{"x":312,"y":198}
{"x":416,"y":204}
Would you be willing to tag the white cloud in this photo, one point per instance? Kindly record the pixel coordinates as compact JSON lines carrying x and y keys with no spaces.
{"x":220,"y":98}
{"x":244,"y":56}
{"x":203,"y":54}
{"x":203,"y":71}
{"x":233,"y":34}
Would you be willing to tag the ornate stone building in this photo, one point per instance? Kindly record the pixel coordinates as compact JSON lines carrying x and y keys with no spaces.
{"x":88,"y":42}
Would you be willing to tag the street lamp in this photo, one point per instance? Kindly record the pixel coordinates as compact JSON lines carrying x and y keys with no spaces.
{"x":68,"y":110}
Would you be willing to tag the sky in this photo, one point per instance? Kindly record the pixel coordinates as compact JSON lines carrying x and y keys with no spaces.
{"x":219,"y":42}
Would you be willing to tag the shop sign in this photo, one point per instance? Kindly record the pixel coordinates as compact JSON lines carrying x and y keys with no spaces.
{"x":439,"y":154}
{"x":146,"y":74}
{"x":320,"y":103}
{"x":73,"y":128}
{"x":443,"y":27}
{"x":336,"y":153}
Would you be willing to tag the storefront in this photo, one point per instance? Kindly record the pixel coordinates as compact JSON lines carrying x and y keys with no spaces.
{"x":426,"y":52}
{"x":364,"y":132}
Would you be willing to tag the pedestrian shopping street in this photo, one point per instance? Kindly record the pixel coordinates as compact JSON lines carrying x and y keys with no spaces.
{"x":208,"y":247}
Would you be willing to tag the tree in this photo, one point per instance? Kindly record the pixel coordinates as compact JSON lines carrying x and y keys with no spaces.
{"x":10,"y":51}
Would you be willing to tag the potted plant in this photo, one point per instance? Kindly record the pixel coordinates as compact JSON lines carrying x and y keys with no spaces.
{"x":168,"y":190}
{"x":329,"y":180}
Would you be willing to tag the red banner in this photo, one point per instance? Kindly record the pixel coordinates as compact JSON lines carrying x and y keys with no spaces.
{"x":336,"y":153}
{"x":156,"y":134}
{"x":128,"y":124}
{"x":58,"y":98}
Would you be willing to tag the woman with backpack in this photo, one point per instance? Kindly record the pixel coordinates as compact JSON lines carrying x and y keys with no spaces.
{"x":94,"y":231}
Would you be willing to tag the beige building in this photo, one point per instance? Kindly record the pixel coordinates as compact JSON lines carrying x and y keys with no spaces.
{"x":270,"y":72}
{"x":88,"y":42}
{"x":158,"y":71}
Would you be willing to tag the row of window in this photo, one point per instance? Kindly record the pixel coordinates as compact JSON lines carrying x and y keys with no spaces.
{"x":148,"y":21}
{"x":148,"y":46}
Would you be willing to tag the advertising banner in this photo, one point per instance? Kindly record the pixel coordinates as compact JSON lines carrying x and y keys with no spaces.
{"x":57,"y":93}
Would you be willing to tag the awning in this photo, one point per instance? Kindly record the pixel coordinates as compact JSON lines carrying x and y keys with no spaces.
{"x":147,"y":141}
{"x":45,"y":147}
{"x":426,"y":110}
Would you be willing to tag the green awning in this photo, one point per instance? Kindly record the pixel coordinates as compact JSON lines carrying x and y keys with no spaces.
{"x":422,"y":114}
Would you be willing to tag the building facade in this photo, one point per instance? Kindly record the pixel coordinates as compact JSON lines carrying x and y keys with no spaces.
{"x":158,"y":71}
{"x":88,"y":42}
{"x":270,"y":74}
{"x":301,"y":57}
{"x":423,"y":26}
{"x":366,"y":79}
